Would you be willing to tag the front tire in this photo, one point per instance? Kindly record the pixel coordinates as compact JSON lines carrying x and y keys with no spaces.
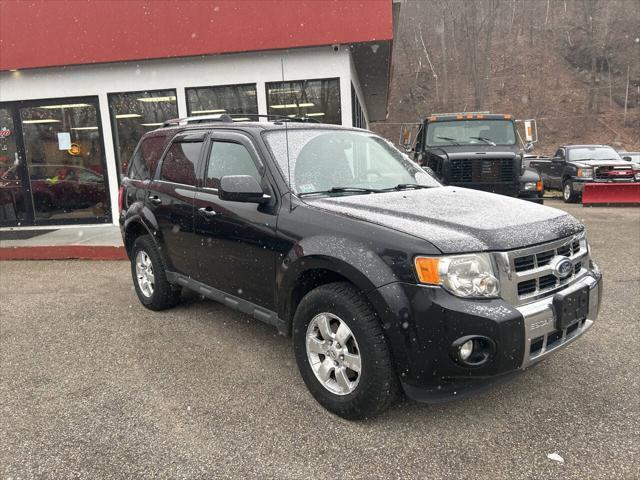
{"x":149,"y":276}
{"x":342,"y":353}
{"x":569,"y":195}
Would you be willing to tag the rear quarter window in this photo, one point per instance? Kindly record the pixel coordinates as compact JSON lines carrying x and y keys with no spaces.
{"x":145,"y":159}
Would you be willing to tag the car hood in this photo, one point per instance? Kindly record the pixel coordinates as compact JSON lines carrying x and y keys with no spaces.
{"x":457,"y":220}
{"x":601,"y":163}
{"x":487,"y":155}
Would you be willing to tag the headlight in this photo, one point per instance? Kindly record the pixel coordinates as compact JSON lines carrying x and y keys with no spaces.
{"x":585,"y":172}
{"x":584,"y":245}
{"x":637,"y":176}
{"x":463,"y":275}
{"x":530,"y":186}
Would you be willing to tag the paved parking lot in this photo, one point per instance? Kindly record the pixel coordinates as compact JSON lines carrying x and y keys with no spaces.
{"x":95,"y":386}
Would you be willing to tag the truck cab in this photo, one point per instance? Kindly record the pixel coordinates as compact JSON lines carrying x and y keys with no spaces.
{"x":477,"y":150}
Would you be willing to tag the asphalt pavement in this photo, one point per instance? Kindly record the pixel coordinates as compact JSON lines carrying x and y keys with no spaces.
{"x":95,"y":386}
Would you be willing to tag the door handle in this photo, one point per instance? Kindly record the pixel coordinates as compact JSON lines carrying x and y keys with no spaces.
{"x":207,"y":211}
{"x":155,"y":199}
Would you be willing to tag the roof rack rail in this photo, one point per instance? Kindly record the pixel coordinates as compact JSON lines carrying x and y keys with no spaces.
{"x":233,"y":117}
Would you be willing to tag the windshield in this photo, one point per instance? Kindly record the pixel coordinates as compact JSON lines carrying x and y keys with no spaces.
{"x":593,"y":153}
{"x":471,"y":132}
{"x":319,"y":160}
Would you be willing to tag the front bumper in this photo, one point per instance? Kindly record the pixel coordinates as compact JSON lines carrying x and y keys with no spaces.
{"x":421,"y":324}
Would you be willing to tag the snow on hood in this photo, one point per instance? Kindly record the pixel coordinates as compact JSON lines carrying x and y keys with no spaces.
{"x":457,"y":220}
{"x":601,"y":163}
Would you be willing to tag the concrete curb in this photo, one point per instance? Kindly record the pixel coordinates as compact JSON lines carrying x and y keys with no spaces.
{"x":63,"y":252}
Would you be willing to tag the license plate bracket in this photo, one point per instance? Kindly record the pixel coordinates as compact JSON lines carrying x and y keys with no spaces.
{"x":571,"y":306}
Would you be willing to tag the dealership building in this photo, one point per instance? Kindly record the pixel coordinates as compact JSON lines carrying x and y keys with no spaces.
{"x":90,"y":78}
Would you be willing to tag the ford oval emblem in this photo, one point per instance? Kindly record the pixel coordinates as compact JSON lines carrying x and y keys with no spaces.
{"x":561,"y":267}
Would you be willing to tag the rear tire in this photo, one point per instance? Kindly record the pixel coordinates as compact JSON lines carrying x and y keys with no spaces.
{"x":569,"y":195}
{"x":149,"y":276}
{"x":359,"y":378}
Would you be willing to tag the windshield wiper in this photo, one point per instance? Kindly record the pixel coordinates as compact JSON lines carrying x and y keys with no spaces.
{"x":343,"y":189}
{"x":449,"y":139}
{"x":488,"y":141}
{"x":407,"y":186}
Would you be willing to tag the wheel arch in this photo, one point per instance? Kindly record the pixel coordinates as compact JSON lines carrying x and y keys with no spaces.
{"x":133,"y":228}
{"x":311,"y":272}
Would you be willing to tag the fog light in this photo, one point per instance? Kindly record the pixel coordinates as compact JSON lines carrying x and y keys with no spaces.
{"x":472,"y":351}
{"x":466,"y":349}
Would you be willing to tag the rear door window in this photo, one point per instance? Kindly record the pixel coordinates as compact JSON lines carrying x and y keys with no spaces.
{"x":145,"y":159}
{"x":180,"y":163}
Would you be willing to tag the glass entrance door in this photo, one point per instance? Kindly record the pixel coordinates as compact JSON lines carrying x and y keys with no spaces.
{"x":15,"y":201}
{"x":54,"y":170}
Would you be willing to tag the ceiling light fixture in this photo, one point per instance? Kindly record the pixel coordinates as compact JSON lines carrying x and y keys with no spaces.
{"x":68,"y":105}
{"x":286,"y":105}
{"x":171,"y":98}
{"x":84,"y":128}
{"x":283,"y":90}
{"x":316,"y":114}
{"x":151,"y":124}
{"x":217,"y":110}
{"x":128,"y":115}
{"x":44,"y":120}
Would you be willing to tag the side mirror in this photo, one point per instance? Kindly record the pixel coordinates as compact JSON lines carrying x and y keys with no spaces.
{"x":241,"y":188}
{"x":529,"y":147}
{"x":628,"y":159}
{"x":406,"y":137}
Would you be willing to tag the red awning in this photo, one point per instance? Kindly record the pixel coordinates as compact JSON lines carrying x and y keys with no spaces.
{"x":46,"y":33}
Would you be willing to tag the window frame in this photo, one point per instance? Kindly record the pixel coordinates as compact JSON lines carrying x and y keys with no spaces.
{"x":114,"y":125}
{"x":186,"y":96}
{"x":339,"y":90}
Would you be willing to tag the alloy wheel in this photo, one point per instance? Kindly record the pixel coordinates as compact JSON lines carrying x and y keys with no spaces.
{"x":333,"y":353}
{"x":144,"y":273}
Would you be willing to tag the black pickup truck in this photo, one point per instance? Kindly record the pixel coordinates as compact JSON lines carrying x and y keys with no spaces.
{"x":477,"y":150}
{"x":574,"y":165}
{"x":386,"y":280}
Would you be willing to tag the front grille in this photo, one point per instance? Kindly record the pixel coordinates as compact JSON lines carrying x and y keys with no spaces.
{"x":534,"y":276}
{"x":547,"y":282}
{"x":483,"y":170}
{"x":527,"y":287}
{"x":525,"y":263}
{"x":554,"y":339}
{"x":461,"y":171}
{"x":545,"y":257}
{"x":614,"y":173}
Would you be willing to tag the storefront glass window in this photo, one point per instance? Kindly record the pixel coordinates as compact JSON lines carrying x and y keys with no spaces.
{"x":135,"y":113}
{"x":357,"y":114}
{"x":318,"y":99}
{"x":231,"y":99}
{"x":65,"y":160}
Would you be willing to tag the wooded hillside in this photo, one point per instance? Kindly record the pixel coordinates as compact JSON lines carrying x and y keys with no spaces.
{"x":571,"y":64}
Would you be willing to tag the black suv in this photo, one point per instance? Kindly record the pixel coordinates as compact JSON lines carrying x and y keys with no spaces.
{"x":387,"y":281}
